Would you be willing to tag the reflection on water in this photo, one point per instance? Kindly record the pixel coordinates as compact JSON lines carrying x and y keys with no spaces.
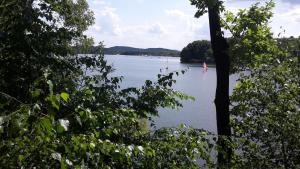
{"x":195,"y":82}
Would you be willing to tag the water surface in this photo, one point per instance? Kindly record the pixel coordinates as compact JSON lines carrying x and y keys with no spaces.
{"x":202,"y":85}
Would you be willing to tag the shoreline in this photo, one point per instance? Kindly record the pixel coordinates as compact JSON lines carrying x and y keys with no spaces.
{"x":199,"y":65}
{"x":143,"y":55}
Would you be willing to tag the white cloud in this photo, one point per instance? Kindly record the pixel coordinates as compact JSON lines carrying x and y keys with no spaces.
{"x":196,"y":28}
{"x":156,"y":29}
{"x":107,"y":21}
{"x":173,"y":30}
{"x":171,"y":25}
{"x":286,"y":17}
{"x":286,"y":20}
{"x":290,"y":13}
{"x":98,"y":2}
{"x":177,"y":13}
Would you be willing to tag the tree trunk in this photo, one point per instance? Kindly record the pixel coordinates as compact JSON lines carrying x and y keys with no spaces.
{"x":220,"y":52}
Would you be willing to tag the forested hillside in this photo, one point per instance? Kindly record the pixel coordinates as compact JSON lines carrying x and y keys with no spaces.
{"x":124,"y":50}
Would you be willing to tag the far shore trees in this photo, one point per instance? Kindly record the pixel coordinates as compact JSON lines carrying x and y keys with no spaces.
{"x":197,"y":52}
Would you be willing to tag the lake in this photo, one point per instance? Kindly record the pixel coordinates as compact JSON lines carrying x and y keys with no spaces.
{"x":202,"y":85}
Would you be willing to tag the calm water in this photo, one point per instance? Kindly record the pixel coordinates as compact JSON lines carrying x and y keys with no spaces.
{"x":200,"y":113}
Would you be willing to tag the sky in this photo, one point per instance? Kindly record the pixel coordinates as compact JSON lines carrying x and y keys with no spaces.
{"x":171,"y":23}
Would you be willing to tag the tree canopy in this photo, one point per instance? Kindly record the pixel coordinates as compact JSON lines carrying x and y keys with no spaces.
{"x":36,"y":35}
{"x":197,"y":51}
{"x":265,"y":102}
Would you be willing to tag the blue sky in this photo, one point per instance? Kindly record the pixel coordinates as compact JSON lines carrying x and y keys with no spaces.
{"x":170,"y":23}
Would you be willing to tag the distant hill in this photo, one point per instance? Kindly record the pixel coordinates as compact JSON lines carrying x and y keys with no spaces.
{"x":124,"y":50}
{"x":117,"y":50}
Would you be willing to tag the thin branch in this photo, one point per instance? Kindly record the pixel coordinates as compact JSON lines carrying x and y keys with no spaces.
{"x":11,"y":97}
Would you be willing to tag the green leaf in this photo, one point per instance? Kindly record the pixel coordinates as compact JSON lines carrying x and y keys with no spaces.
{"x":36,"y":93}
{"x":238,"y":85}
{"x":63,"y":164}
{"x":88,"y":92}
{"x":21,"y":157}
{"x":55,"y":100}
{"x":46,"y":124}
{"x":65,"y":96}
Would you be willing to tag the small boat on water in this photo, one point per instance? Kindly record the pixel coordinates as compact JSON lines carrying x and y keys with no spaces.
{"x":205,"y":68}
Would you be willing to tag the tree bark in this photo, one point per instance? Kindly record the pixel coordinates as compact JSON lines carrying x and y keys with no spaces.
{"x":220,"y":52}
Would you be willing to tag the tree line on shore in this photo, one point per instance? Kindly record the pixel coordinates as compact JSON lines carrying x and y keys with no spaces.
{"x":200,"y":51}
{"x":125,"y":50}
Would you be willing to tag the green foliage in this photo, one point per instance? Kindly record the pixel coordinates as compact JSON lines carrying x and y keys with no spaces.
{"x":36,"y":35}
{"x":265,"y":103}
{"x":197,"y":51}
{"x":290,"y":44}
{"x":204,"y":5}
{"x":266,"y":116}
{"x":59,"y":110}
{"x":252,"y":42}
{"x":96,"y":126}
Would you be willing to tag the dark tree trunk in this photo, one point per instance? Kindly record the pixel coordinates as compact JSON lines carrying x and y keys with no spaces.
{"x":220,"y":52}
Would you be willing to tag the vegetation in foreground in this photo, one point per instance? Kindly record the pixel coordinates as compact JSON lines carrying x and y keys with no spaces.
{"x":58,"y":110}
{"x":64,"y":111}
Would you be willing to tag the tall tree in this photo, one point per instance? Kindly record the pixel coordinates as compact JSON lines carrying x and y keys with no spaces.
{"x":220,"y":53}
{"x":265,"y":113}
{"x":34,"y":33}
